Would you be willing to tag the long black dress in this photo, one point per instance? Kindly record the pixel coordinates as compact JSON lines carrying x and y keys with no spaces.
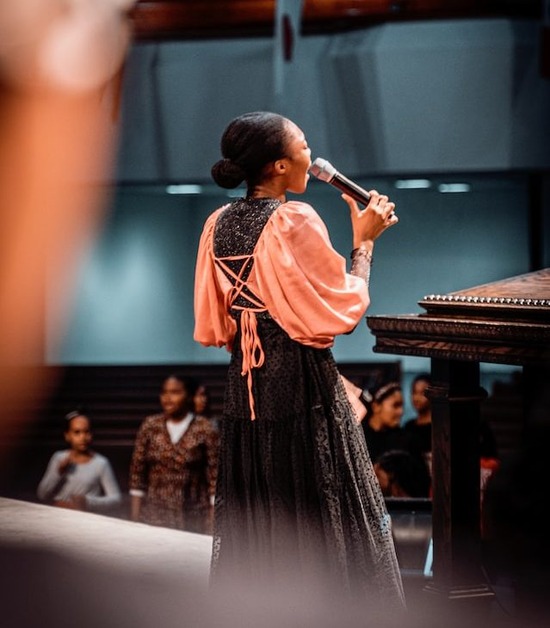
{"x":296,"y":490}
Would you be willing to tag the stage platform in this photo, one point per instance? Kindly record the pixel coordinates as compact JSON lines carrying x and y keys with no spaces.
{"x":77,"y":569}
{"x":69,"y":569}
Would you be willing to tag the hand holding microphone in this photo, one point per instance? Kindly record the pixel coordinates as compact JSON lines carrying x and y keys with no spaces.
{"x":325,"y":171}
{"x":368,"y":223}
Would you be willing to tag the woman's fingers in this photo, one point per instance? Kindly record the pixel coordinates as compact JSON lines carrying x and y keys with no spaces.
{"x":380,"y":203}
{"x":353,"y":205}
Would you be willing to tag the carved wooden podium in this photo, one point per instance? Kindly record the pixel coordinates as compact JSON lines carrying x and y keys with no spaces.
{"x":503,"y":322}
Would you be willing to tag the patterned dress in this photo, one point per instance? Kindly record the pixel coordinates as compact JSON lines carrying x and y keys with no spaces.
{"x":178,"y":479}
{"x":296,"y":490}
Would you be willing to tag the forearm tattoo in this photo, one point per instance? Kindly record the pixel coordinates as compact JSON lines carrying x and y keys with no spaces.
{"x":361,"y":262}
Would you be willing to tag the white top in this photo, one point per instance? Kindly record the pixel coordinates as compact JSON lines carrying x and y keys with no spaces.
{"x":177,"y":429}
{"x":94,"y":479}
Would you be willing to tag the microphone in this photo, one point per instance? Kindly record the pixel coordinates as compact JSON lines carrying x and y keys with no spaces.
{"x":325,"y":171}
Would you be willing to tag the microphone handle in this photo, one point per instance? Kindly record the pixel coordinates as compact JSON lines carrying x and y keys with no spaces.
{"x":349,"y":187}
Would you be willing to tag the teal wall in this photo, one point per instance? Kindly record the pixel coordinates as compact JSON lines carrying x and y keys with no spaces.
{"x":450,"y":101}
{"x":134,"y":293}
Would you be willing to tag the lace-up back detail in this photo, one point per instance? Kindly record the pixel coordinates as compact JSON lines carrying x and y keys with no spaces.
{"x":236,"y":233}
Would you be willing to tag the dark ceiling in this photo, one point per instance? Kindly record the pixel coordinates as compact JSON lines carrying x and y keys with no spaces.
{"x":155,"y":20}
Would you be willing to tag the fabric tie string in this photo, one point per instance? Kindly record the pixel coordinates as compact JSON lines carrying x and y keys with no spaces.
{"x":253,"y":353}
{"x":252,"y":350}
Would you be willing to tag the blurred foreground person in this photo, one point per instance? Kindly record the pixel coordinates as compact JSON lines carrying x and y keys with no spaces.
{"x":59,"y":69}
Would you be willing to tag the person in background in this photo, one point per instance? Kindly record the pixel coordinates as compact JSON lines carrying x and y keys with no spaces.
{"x":419,"y":432}
{"x":201,"y":401}
{"x":401,"y":474}
{"x":174,"y":463}
{"x":297,"y":495}
{"x":382,"y":422}
{"x":419,"y":428}
{"x":79,"y":478}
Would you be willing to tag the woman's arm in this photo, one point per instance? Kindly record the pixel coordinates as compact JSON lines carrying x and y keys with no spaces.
{"x":213,"y":324}
{"x":367,"y":225}
{"x":212,"y":442}
{"x":109,"y":485}
{"x":135,"y":507}
{"x":303,"y":280}
{"x":138,"y":471}
{"x":53,"y":478}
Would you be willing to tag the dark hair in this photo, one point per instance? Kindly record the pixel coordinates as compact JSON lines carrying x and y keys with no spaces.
{"x":408,"y":471}
{"x":207,"y":410}
{"x":79,"y":411}
{"x":422,"y":377}
{"x":248,"y":144}
{"x":378,"y":394}
{"x":189,"y":383}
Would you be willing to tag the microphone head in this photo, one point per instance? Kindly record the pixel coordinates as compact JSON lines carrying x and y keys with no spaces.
{"x":322,"y":169}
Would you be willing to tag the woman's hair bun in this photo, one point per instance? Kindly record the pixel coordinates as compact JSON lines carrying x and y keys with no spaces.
{"x":227,"y":174}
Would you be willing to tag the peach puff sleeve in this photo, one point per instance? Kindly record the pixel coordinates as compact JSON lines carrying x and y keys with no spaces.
{"x":303,"y":281}
{"x":213,"y":324}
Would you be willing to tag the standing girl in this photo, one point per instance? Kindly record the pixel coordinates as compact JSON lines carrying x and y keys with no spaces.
{"x":297,"y":494}
{"x":79,"y":478}
{"x":382,"y":423}
{"x":174,"y":463}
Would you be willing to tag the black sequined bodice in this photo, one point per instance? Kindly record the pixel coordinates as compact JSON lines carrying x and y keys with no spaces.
{"x":239,"y":226}
{"x":237,"y":231}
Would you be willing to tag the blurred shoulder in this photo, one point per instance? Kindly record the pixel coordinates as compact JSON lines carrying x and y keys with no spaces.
{"x":102,"y":460}
{"x":60,"y":453}
{"x":153,"y":421}
{"x":204,"y":423}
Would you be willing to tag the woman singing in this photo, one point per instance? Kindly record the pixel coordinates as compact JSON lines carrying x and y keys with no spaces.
{"x":296,"y":491}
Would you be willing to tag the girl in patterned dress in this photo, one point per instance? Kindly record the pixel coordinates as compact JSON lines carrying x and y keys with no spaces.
{"x":174,"y":463}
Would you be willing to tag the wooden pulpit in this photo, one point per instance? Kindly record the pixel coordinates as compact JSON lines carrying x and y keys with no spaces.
{"x":504,"y":322}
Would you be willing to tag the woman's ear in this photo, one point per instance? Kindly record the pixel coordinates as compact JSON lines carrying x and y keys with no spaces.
{"x":280,"y":166}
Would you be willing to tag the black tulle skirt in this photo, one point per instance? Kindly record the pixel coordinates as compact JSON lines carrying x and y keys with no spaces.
{"x":297,"y":493}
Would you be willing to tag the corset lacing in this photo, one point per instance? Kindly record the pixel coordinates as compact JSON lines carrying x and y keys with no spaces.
{"x":251,"y":347}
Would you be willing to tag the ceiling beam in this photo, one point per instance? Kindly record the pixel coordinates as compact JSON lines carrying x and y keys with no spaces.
{"x":191,"y":19}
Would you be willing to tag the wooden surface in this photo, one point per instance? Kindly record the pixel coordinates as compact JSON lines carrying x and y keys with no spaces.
{"x":524,"y":297}
{"x":505,"y":322}
{"x":501,"y":322}
{"x":187,"y":19}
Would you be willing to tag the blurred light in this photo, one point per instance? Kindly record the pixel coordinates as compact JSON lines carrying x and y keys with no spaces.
{"x":413,"y":184}
{"x":74,"y":46}
{"x":454,"y":187}
{"x":238,"y":193}
{"x":184,"y":189}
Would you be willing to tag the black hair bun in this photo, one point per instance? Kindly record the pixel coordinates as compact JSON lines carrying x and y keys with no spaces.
{"x":227,"y":174}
